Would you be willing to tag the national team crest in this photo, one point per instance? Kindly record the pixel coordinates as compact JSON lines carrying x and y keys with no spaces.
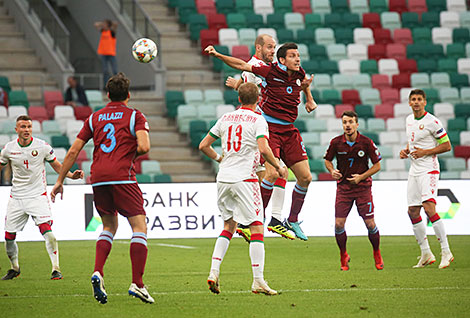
{"x":361,"y":153}
{"x":34,"y":153}
{"x":421,"y":127}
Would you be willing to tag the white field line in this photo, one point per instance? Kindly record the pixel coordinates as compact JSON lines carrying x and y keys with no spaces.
{"x":161,"y":244}
{"x":314,"y":290}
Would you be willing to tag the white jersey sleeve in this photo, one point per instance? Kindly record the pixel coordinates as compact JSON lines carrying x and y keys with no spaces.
{"x":261,"y":128}
{"x":3,"y":157}
{"x":215,"y":130}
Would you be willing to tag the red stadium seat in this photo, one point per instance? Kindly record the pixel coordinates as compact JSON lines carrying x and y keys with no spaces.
{"x":82,"y":112}
{"x":390,"y":96}
{"x":396,"y":51}
{"x":241,"y":52}
{"x":325,"y":176}
{"x":401,"y":81}
{"x":301,"y":6}
{"x":402,"y":36}
{"x":418,"y":6}
{"x":384,"y":111}
{"x":351,"y":96}
{"x":382,"y":36}
{"x":380,"y":81}
{"x":205,"y":7}
{"x":216,"y":21}
{"x":407,"y":66}
{"x":208,"y":37}
{"x":341,"y":108}
{"x":38,"y":113}
{"x":397,"y":6}
{"x":371,"y":20}
{"x":376,"y":51}
{"x":462,"y":152}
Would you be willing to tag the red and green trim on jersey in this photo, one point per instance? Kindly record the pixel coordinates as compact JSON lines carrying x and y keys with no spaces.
{"x":213,"y":136}
{"x":425,"y":113}
{"x":19,"y":144}
{"x":261,"y":136}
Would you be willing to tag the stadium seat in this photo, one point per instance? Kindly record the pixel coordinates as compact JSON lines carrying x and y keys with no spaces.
{"x":462,"y":110}
{"x":364,"y":111}
{"x":430,"y":19}
{"x":461,"y":35}
{"x":319,"y":124}
{"x":376,"y":51}
{"x":351,"y":97}
{"x":416,"y":6}
{"x":389,"y":96}
{"x":401,"y":110}
{"x":185,"y":9}
{"x":197,"y":22}
{"x":18,"y":97}
{"x":341,"y":108}
{"x":301,"y":6}
{"x":440,"y":80}
{"x":344,"y":35}
{"x":206,"y":112}
{"x":313,"y":21}
{"x":402,"y":36}
{"x":339,"y":6}
{"x":357,"y":52}
{"x":336,"y":52}
{"x":213,"y":97}
{"x":209,"y":37}
{"x":322,"y":82}
{"x":331,"y":96}
{"x":464,"y":18}
{"x":427,"y":65}
{"x":370,"y":96}
{"x":450,"y":95}
{"x":457,"y":124}
{"x":421,"y":36}
{"x":380,"y":81}
{"x":389,"y":137}
{"x":349,"y":67}
{"x":321,"y":6}
{"x":162,"y":178}
{"x":400,"y":81}
{"x":361,"y":81}
{"x":216,"y":21}
{"x":173,"y":99}
{"x":205,"y":7}
{"x":242,"y":52}
{"x":82,"y":112}
{"x":359,"y":6}
{"x":399,"y":6}
{"x":363,"y":36}
{"x":449,"y":19}
{"x":341,"y":82}
{"x":185,"y":114}
{"x":405,"y":94}
{"x":375,"y":124}
{"x":395,"y":51}
{"x":463,"y":65}
{"x":382,"y":36}
{"x":410,"y":20}
{"x":38,"y":113}
{"x":324,"y":36}
{"x":228,"y":37}
{"x":328,"y":67}
{"x":456,"y":5}
{"x":60,"y":141}
{"x":465,"y":94}
{"x":455,"y":51}
{"x":351,"y":20}
{"x":420,"y":80}
{"x":268,"y":31}
{"x":432,"y":95}
{"x":246,"y":36}
{"x":444,"y":111}
{"x":236,"y":20}
{"x":388,"y":67}
{"x":384,"y":111}
{"x":407,"y":66}
{"x":369,"y":67}
{"x":378,"y":6}
{"x":441,"y":35}
{"x":63,"y":112}
{"x":323,"y":111}
{"x":294,"y":21}
{"x":15,"y":111}
{"x":390,"y":20}
{"x":371,"y":20}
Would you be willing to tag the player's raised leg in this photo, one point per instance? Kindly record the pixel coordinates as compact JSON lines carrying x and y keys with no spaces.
{"x":221,"y":246}
{"x":12,"y":252}
{"x":419,"y":230}
{"x":259,"y":285}
{"x":301,"y":170}
{"x":52,"y":248}
{"x":439,"y":230}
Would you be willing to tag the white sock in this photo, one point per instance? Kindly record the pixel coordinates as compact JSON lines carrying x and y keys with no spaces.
{"x":220,"y":248}
{"x":440,"y":232}
{"x":420,"y":233}
{"x":12,"y":252}
{"x":257,"y":258}
{"x":277,"y":200}
{"x":52,"y":249}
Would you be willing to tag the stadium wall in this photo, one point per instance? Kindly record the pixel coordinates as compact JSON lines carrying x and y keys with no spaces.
{"x":189,"y":210}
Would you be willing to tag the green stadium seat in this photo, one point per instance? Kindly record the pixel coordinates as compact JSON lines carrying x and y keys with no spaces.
{"x":344,"y":35}
{"x":244,"y":6}
{"x":455,"y":51}
{"x":275,"y":21}
{"x":327,"y":67}
{"x":432,"y":96}
{"x":331,"y":96}
{"x":436,"y":5}
{"x":162,"y":178}
{"x":225,"y":6}
{"x":462,"y":110}
{"x":60,"y":141}
{"x":231,"y":97}
{"x":306,"y":36}
{"x":217,"y":64}
{"x":185,"y":9}
{"x":197,"y":22}
{"x":364,"y":111}
{"x":313,"y":21}
{"x":410,"y":20}
{"x":236,"y":21}
{"x":427,"y":65}
{"x":143,"y":178}
{"x":18,"y":97}
{"x":284,"y":35}
{"x":173,"y":100}
{"x":372,"y":135}
{"x":333,"y":20}
{"x":461,"y":35}
{"x":339,"y":6}
{"x":378,"y":6}
{"x":317,"y":165}
{"x":5,"y":84}
{"x":282,"y":6}
{"x":369,"y":67}
{"x":254,"y":20}
{"x":317,"y":51}
{"x":421,"y":35}
{"x":430,"y":19}
{"x":447,"y":65}
{"x":228,"y":71}
{"x":454,"y":137}
{"x":457,"y":124}
{"x":310,"y":67}
{"x":300,"y":125}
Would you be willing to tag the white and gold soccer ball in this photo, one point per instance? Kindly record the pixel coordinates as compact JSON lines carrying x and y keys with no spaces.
{"x":144,"y":50}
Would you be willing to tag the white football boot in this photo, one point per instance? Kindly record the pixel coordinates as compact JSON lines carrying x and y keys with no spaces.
{"x":425,"y":259}
{"x":446,"y":259}
{"x":98,"y":288}
{"x":140,"y":293}
{"x":261,"y":287}
{"x":213,"y":282}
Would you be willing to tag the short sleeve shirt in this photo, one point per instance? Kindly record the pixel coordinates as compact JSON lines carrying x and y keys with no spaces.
{"x":239,"y":131}
{"x":353,"y":158}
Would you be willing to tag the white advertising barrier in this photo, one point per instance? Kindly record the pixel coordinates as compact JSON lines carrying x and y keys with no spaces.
{"x":189,"y":210}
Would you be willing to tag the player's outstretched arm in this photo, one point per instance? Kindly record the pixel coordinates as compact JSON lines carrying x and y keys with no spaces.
{"x":268,"y":155}
{"x":69,"y":160}
{"x":229,"y":60}
{"x":77,"y":174}
{"x":335,"y":173}
{"x":206,"y":147}
{"x":143,"y":142}
{"x":233,"y":83}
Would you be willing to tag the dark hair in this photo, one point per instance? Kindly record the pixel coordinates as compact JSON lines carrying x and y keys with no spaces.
{"x":350,"y":113}
{"x":118,"y":87}
{"x":417,"y":92}
{"x":23,"y":117}
{"x":109,"y":23}
{"x":282,"y":52}
{"x":248,"y":93}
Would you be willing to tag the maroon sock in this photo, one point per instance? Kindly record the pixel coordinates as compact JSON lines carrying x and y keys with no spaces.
{"x":103,"y":247}
{"x":298,"y":197}
{"x":374,"y":238}
{"x":341,"y":239}
{"x":138,"y":253}
{"x":266,"y":192}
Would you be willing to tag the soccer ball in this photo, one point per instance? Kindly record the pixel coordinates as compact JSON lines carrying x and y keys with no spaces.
{"x":144,"y":50}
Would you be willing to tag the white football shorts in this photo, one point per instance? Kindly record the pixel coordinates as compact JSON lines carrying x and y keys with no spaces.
{"x":422,"y":188}
{"x":240,"y":201}
{"x":19,"y":210}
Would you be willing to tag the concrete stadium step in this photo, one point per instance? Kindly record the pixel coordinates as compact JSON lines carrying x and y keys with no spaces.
{"x":10,"y":35}
{"x":15,"y":50}
{"x":167,"y":139}
{"x":160,"y":123}
{"x":177,"y":168}
{"x":19,"y":42}
{"x":171,"y":153}
{"x":193,"y":178}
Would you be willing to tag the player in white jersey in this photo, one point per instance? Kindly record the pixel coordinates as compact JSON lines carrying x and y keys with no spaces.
{"x":265,"y":47}
{"x":28,"y":196}
{"x":244,"y":134}
{"x":426,"y":139}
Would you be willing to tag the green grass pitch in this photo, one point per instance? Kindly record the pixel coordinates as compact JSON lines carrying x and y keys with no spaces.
{"x":307,"y":274}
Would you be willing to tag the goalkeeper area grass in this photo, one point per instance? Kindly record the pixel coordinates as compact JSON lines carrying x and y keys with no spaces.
{"x":306,"y":273}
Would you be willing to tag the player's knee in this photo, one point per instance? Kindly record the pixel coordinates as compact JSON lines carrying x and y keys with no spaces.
{"x":339,"y":229}
{"x":305,"y":180}
{"x":9,"y":236}
{"x":45,"y":227}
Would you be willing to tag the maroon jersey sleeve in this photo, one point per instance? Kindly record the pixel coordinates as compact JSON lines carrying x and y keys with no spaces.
{"x":262,"y":70}
{"x":331,"y":151}
{"x":373,"y":152}
{"x":141,"y":122}
{"x":85,"y":133}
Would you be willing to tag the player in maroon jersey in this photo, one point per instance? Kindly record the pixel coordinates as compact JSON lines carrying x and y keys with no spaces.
{"x":353,"y":151}
{"x":120,"y":134}
{"x":282,"y":84}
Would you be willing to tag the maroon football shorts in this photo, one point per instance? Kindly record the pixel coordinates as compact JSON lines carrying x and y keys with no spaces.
{"x":286,"y":143}
{"x":125,"y":199}
{"x":363,"y":198}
